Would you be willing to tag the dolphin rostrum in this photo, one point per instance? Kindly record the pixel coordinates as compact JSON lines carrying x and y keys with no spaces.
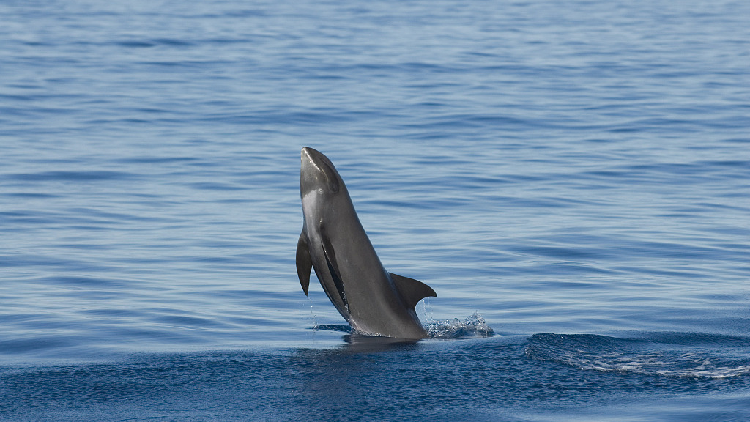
{"x":334,"y":243}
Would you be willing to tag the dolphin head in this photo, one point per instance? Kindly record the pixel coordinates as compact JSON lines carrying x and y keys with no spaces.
{"x":317,"y":174}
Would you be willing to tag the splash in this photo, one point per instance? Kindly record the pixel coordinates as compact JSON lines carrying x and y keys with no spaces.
{"x":473,"y":326}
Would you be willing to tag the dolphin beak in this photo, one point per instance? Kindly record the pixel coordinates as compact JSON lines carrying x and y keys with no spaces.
{"x":307,"y":158}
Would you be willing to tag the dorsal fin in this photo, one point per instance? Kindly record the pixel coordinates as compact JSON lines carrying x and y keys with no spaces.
{"x":304,"y":262}
{"x":411,"y":290}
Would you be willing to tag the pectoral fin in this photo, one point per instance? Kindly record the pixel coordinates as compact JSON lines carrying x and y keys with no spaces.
{"x":411,"y":290}
{"x":304,"y":263}
{"x":333,"y":268}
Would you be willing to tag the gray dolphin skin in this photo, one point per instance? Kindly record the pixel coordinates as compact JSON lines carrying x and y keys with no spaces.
{"x":334,"y":243}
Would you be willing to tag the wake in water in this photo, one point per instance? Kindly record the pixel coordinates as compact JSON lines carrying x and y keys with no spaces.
{"x":332,"y":327}
{"x":671,"y":355}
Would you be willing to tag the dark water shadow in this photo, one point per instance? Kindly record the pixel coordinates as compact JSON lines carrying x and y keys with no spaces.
{"x":359,"y":343}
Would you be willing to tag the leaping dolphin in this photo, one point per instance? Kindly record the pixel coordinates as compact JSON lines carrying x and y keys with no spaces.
{"x":334,"y":243}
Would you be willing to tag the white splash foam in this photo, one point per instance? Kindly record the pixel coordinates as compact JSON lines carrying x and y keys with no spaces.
{"x":473,"y":326}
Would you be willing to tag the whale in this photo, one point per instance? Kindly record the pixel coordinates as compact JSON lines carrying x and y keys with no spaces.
{"x":333,"y":242}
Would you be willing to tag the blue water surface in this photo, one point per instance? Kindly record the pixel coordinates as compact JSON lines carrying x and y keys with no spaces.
{"x":572,"y":177}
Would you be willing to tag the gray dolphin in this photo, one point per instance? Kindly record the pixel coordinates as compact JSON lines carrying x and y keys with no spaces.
{"x":334,"y":243}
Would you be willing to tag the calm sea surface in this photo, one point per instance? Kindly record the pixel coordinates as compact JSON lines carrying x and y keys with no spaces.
{"x":575,"y":176}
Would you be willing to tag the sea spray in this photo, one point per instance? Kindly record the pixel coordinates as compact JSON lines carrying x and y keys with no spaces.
{"x":473,"y":326}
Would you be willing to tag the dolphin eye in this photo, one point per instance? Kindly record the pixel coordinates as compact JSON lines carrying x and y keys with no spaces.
{"x":331,"y":178}
{"x":334,"y":185}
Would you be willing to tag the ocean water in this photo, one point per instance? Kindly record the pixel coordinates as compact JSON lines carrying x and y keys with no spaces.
{"x":573,"y":180}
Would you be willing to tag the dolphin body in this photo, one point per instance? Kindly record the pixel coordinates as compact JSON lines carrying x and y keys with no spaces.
{"x":334,"y":243}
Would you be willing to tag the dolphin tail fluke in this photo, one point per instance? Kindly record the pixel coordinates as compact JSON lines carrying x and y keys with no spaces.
{"x":304,"y":263}
{"x":411,"y":290}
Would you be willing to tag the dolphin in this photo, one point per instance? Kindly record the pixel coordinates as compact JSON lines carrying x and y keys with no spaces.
{"x":333,"y":242}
